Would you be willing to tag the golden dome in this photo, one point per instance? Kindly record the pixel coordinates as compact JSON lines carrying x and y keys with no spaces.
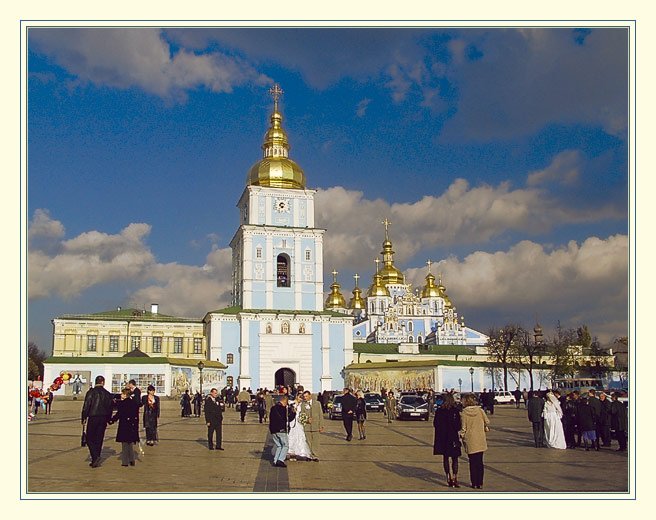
{"x":430,"y":290}
{"x":389,"y":273}
{"x":378,"y":288}
{"x":357,"y":303}
{"x":276,"y":170}
{"x":335,"y":299}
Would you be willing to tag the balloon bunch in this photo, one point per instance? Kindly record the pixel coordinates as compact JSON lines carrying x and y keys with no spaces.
{"x":63,"y":379}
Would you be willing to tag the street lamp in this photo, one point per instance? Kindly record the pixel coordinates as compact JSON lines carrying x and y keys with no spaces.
{"x":471,"y":375}
{"x":459,"y":385}
{"x":201,"y":366}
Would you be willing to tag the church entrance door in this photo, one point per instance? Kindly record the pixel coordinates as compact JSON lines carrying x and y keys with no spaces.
{"x":285,"y":377}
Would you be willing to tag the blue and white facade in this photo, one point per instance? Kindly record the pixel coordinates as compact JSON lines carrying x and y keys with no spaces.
{"x":277,"y":325}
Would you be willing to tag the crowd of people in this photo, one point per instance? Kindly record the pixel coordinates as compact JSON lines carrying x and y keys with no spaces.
{"x":295,"y":420}
{"x":572,"y":421}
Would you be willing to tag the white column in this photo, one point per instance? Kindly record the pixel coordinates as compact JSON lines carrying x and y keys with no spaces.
{"x":215,"y":346}
{"x":310,"y":210}
{"x":247,"y":271}
{"x":318,"y":268}
{"x":298,"y":272}
{"x":326,"y":378}
{"x":348,"y":344}
{"x":270,"y":271}
{"x":244,"y":355}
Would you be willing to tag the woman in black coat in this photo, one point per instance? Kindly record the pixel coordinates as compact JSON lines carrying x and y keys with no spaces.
{"x":447,"y":441}
{"x":127,"y":433}
{"x":361,"y":414}
{"x":186,"y":404}
{"x":150,"y":404}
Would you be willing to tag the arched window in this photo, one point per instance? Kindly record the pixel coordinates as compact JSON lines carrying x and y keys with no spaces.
{"x":268,"y":328}
{"x":380,"y":306}
{"x":373,"y":307}
{"x":410,"y":326}
{"x":230,"y":359}
{"x":301,"y":328}
{"x":411,"y":339}
{"x":419,"y":338}
{"x":283,"y":270}
{"x":229,"y":381}
{"x":285,"y":327}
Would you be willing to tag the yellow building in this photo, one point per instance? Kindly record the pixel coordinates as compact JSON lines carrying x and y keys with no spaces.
{"x":115,"y":333}
{"x":152,"y":348}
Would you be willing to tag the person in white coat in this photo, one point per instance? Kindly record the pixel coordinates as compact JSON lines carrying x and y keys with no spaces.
{"x":554,"y":436}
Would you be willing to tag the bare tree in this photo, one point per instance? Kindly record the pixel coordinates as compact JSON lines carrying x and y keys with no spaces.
{"x":527,"y":352}
{"x":500,"y":348}
{"x":35,"y":359}
{"x":562,"y":358}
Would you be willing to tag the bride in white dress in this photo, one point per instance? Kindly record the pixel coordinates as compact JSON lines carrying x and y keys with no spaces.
{"x":553,"y":427}
{"x":298,"y":448}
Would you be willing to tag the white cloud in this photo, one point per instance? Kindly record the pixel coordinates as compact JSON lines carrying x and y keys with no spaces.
{"x":362,"y":107}
{"x":140,"y":57}
{"x":89,"y":259}
{"x":461,"y":215}
{"x":183,"y":290}
{"x":577,"y":283}
{"x":565,"y":168}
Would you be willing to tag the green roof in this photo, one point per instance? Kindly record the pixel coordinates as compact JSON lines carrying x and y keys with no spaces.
{"x":448,"y":350}
{"x":236,"y":309}
{"x":129,"y":315}
{"x":416,"y":364}
{"x":375,"y":348}
{"x":63,"y":360}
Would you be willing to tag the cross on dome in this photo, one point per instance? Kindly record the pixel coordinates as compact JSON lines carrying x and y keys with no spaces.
{"x":335,"y":273}
{"x":429,"y":264}
{"x":357,"y":277}
{"x":386,"y":223}
{"x":276,"y":92}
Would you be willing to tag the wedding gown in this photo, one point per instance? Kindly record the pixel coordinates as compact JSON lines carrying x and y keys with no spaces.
{"x":554,"y":436}
{"x":297,"y":444}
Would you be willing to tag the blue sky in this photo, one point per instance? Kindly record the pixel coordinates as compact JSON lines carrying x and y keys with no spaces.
{"x":499,"y":153}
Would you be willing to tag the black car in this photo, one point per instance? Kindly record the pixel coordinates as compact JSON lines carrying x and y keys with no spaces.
{"x":374,"y":402}
{"x":412,"y":407}
{"x":335,"y":407}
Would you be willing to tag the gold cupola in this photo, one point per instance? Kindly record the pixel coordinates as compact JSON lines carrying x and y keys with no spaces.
{"x":276,"y":169}
{"x":357,"y":303}
{"x":389,"y":273}
{"x":430,"y":290}
{"x":335,"y":299}
{"x":378,"y":287}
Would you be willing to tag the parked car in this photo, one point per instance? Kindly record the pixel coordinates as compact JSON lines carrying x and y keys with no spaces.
{"x":335,"y":407}
{"x":412,"y":407}
{"x":503,"y":397}
{"x":374,"y":402}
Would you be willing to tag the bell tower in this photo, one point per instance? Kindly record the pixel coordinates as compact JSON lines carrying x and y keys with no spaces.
{"x":277,"y":253}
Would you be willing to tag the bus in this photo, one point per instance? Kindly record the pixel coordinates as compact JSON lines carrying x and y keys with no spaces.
{"x":582,"y":384}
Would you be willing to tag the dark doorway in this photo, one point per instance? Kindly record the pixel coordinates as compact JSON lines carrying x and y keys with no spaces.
{"x":285,"y":377}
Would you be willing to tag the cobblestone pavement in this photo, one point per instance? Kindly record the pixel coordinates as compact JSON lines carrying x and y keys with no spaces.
{"x":393,"y":458}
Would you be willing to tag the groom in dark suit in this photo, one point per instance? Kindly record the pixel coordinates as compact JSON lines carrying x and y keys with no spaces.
{"x":214,"y":419}
{"x":535,"y":408}
{"x":349,"y":402}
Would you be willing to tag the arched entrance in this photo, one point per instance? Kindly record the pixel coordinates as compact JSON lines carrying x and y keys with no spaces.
{"x":284,"y":377}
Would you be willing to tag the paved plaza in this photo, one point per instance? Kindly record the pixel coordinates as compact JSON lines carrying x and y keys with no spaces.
{"x":394,"y":458}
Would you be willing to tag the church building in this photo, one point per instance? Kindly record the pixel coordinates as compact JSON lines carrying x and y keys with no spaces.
{"x":277,"y":331}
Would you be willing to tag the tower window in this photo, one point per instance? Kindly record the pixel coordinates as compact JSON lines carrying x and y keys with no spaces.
{"x":308,"y":255}
{"x":283,"y":270}
{"x":258,"y":252}
{"x":410,"y":326}
{"x":230,"y":359}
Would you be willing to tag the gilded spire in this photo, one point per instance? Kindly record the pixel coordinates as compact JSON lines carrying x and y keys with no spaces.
{"x":378,"y":288}
{"x":389,"y":273}
{"x":357,"y":303}
{"x":430,"y":290}
{"x":276,"y":170}
{"x":335,"y":299}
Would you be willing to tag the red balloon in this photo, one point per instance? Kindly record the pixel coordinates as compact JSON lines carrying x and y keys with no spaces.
{"x":35,"y":393}
{"x":58,"y":381}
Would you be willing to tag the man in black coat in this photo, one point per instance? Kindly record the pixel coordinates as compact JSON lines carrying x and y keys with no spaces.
{"x":535,"y":408}
{"x":349,"y":403}
{"x":214,"y":419}
{"x":619,"y":420}
{"x":603,"y":424}
{"x":136,"y":392}
{"x":595,"y":403}
{"x":96,"y":413}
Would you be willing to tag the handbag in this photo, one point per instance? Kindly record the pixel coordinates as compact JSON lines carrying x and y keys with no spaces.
{"x":83,"y":440}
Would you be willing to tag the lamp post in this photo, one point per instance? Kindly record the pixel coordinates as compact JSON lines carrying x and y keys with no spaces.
{"x":471,"y":375}
{"x":201,"y":366}
{"x":460,"y":385}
